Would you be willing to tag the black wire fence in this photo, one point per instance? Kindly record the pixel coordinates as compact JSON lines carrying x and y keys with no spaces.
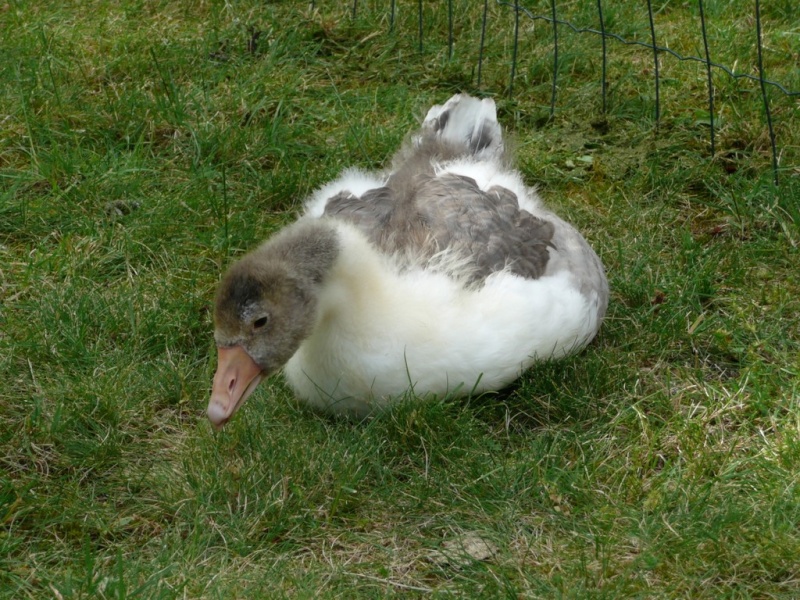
{"x":520,"y":13}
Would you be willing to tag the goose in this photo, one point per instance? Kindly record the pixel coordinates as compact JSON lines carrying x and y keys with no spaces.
{"x":445,"y":274}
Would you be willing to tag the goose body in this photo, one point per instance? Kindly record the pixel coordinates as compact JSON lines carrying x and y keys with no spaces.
{"x":444,"y":274}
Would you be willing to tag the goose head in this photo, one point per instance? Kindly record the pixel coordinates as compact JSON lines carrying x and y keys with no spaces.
{"x":266,"y":305}
{"x":262,"y":314}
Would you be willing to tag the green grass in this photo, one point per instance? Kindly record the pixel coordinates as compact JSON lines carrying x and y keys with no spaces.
{"x":144,"y":145}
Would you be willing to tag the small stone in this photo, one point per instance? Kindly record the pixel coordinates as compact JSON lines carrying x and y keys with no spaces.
{"x":463,"y":549}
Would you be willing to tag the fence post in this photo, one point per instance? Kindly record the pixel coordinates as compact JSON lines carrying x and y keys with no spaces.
{"x":483,"y":39}
{"x":655,"y":58}
{"x":764,"y":96}
{"x":555,"y":58}
{"x":603,"y":38}
{"x":449,"y":29}
{"x":708,"y":73}
{"x":514,"y":51}
{"x":420,"y":26}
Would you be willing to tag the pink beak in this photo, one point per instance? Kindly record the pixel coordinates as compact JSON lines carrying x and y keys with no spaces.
{"x":236,"y":377}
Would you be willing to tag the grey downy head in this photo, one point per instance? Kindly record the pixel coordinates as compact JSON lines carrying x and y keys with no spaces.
{"x":263,"y":313}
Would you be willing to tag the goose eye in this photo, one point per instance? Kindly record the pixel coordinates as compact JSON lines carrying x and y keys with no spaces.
{"x":260,"y":322}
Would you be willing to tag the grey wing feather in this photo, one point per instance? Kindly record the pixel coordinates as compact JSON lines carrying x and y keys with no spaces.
{"x":369,"y":212}
{"x":487,"y":225}
{"x":433,"y":213}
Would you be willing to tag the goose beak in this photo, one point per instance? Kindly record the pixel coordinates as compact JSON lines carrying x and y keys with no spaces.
{"x":236,"y":377}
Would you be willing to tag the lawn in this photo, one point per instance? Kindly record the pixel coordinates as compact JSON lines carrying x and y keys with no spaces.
{"x":144,"y":145}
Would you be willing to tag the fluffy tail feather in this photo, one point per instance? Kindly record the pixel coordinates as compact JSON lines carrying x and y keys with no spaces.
{"x":468,"y":122}
{"x":463,"y":127}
